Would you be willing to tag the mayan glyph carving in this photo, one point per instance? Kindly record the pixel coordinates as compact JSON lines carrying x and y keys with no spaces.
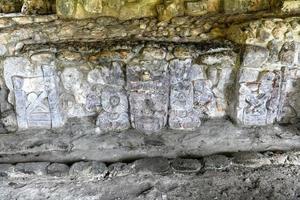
{"x":182,"y":113}
{"x":260,"y":99}
{"x":268,"y":84}
{"x":114,"y":102}
{"x":37,"y":101}
{"x":148,"y":87}
{"x":151,"y":87}
{"x":213,"y":87}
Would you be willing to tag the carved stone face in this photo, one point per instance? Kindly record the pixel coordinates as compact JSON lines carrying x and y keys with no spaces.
{"x":71,"y":78}
{"x":181,"y":97}
{"x":114,"y":100}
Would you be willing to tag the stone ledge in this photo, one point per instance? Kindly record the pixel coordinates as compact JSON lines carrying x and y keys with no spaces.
{"x":75,"y":143}
{"x":149,"y":178}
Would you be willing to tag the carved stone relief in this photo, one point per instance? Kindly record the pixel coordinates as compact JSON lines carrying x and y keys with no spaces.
{"x":182,"y":112}
{"x":213,"y":88}
{"x":260,"y":99}
{"x":153,"y":87}
{"x":148,"y":87}
{"x":114,"y":102}
{"x":37,"y":101}
{"x":268,"y":85}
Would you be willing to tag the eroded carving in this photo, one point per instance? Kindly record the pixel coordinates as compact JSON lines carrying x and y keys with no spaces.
{"x":37,"y":101}
{"x":182,"y":113}
{"x":261,"y":99}
{"x":148,"y":87}
{"x":114,"y":116}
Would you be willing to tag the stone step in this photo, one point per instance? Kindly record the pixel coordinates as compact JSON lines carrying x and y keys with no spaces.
{"x":157,"y":165}
{"x":237,"y":176}
{"x":80,"y":140}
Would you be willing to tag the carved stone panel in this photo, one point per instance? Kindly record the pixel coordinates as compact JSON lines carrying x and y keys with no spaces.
{"x":182,"y":112}
{"x":213,"y":88}
{"x":259,"y":100}
{"x":148,"y":87}
{"x":290,"y":93}
{"x":114,"y":114}
{"x":37,"y":101}
{"x":149,"y":111}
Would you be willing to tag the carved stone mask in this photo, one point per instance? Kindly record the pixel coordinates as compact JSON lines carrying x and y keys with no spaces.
{"x":114,"y":101}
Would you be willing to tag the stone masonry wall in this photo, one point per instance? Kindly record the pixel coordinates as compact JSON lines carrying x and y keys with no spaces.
{"x":50,"y":77}
{"x":148,"y":82}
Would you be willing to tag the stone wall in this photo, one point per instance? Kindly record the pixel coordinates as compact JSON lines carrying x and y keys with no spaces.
{"x":154,"y":84}
{"x":53,"y":70}
{"x":164,"y":10}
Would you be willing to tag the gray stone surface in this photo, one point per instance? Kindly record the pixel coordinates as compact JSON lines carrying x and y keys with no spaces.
{"x":152,"y":86}
{"x":186,"y":165}
{"x":91,"y":168}
{"x":58,"y":169}
{"x":148,"y":87}
{"x":36,"y":168}
{"x":268,"y":85}
{"x":236,"y":176}
{"x":80,"y":140}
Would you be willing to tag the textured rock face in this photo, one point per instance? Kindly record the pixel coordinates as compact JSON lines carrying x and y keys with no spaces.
{"x":10,"y":6}
{"x":164,"y":10}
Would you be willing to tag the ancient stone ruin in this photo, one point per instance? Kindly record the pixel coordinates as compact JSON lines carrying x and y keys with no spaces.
{"x":149,"y":99}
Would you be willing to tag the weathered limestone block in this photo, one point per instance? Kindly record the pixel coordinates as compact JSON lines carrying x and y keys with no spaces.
{"x":288,"y":54}
{"x":213,"y":89}
{"x":268,"y":80}
{"x":38,"y":168}
{"x":9,"y":122}
{"x":17,"y":66}
{"x":121,"y":9}
{"x":76,"y":94}
{"x":38,"y":7}
{"x":198,"y":8}
{"x":138,"y":9}
{"x":255,"y":56}
{"x":93,"y":168}
{"x":170,"y":9}
{"x":98,"y":91}
{"x":289,"y":105}
{"x":259,"y":99}
{"x":259,"y":88}
{"x":114,"y":116}
{"x":114,"y":103}
{"x":148,"y":87}
{"x":37,"y":101}
{"x":241,"y":6}
{"x":290,"y":6}
{"x":10,"y":6}
{"x":57,"y":169}
{"x":182,"y":114}
{"x":36,"y":95}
